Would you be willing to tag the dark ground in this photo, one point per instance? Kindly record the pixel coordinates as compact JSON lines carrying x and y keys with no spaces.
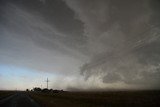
{"x":99,"y":99}
{"x":19,"y":99}
{"x":82,"y":99}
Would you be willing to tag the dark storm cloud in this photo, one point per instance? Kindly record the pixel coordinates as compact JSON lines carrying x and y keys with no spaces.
{"x":53,"y":12}
{"x":117,"y":42}
{"x":38,"y":36}
{"x":123,"y":38}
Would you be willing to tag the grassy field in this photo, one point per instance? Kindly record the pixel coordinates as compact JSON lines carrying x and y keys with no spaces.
{"x":4,"y":94}
{"x":98,"y":99}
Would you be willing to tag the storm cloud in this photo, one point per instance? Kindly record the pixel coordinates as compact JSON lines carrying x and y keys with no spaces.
{"x":123,"y":40}
{"x":31,"y":40}
{"x":98,"y":44}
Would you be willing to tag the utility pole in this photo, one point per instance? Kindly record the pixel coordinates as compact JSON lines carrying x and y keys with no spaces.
{"x":47,"y":82}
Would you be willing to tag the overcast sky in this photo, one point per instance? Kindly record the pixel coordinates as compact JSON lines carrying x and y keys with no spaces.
{"x":80,"y":44}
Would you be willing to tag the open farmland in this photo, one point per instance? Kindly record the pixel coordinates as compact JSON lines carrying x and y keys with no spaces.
{"x":98,"y":99}
{"x":4,"y":94}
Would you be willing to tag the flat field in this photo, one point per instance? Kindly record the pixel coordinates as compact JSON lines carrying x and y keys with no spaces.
{"x":98,"y":99}
{"x":4,"y":94}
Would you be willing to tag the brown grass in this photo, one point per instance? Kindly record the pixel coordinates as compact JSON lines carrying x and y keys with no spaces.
{"x":98,"y":99}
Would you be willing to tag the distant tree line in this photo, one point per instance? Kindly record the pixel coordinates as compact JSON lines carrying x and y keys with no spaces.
{"x":45,"y":90}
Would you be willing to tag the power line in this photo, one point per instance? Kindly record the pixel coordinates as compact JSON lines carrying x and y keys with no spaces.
{"x":47,"y":82}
